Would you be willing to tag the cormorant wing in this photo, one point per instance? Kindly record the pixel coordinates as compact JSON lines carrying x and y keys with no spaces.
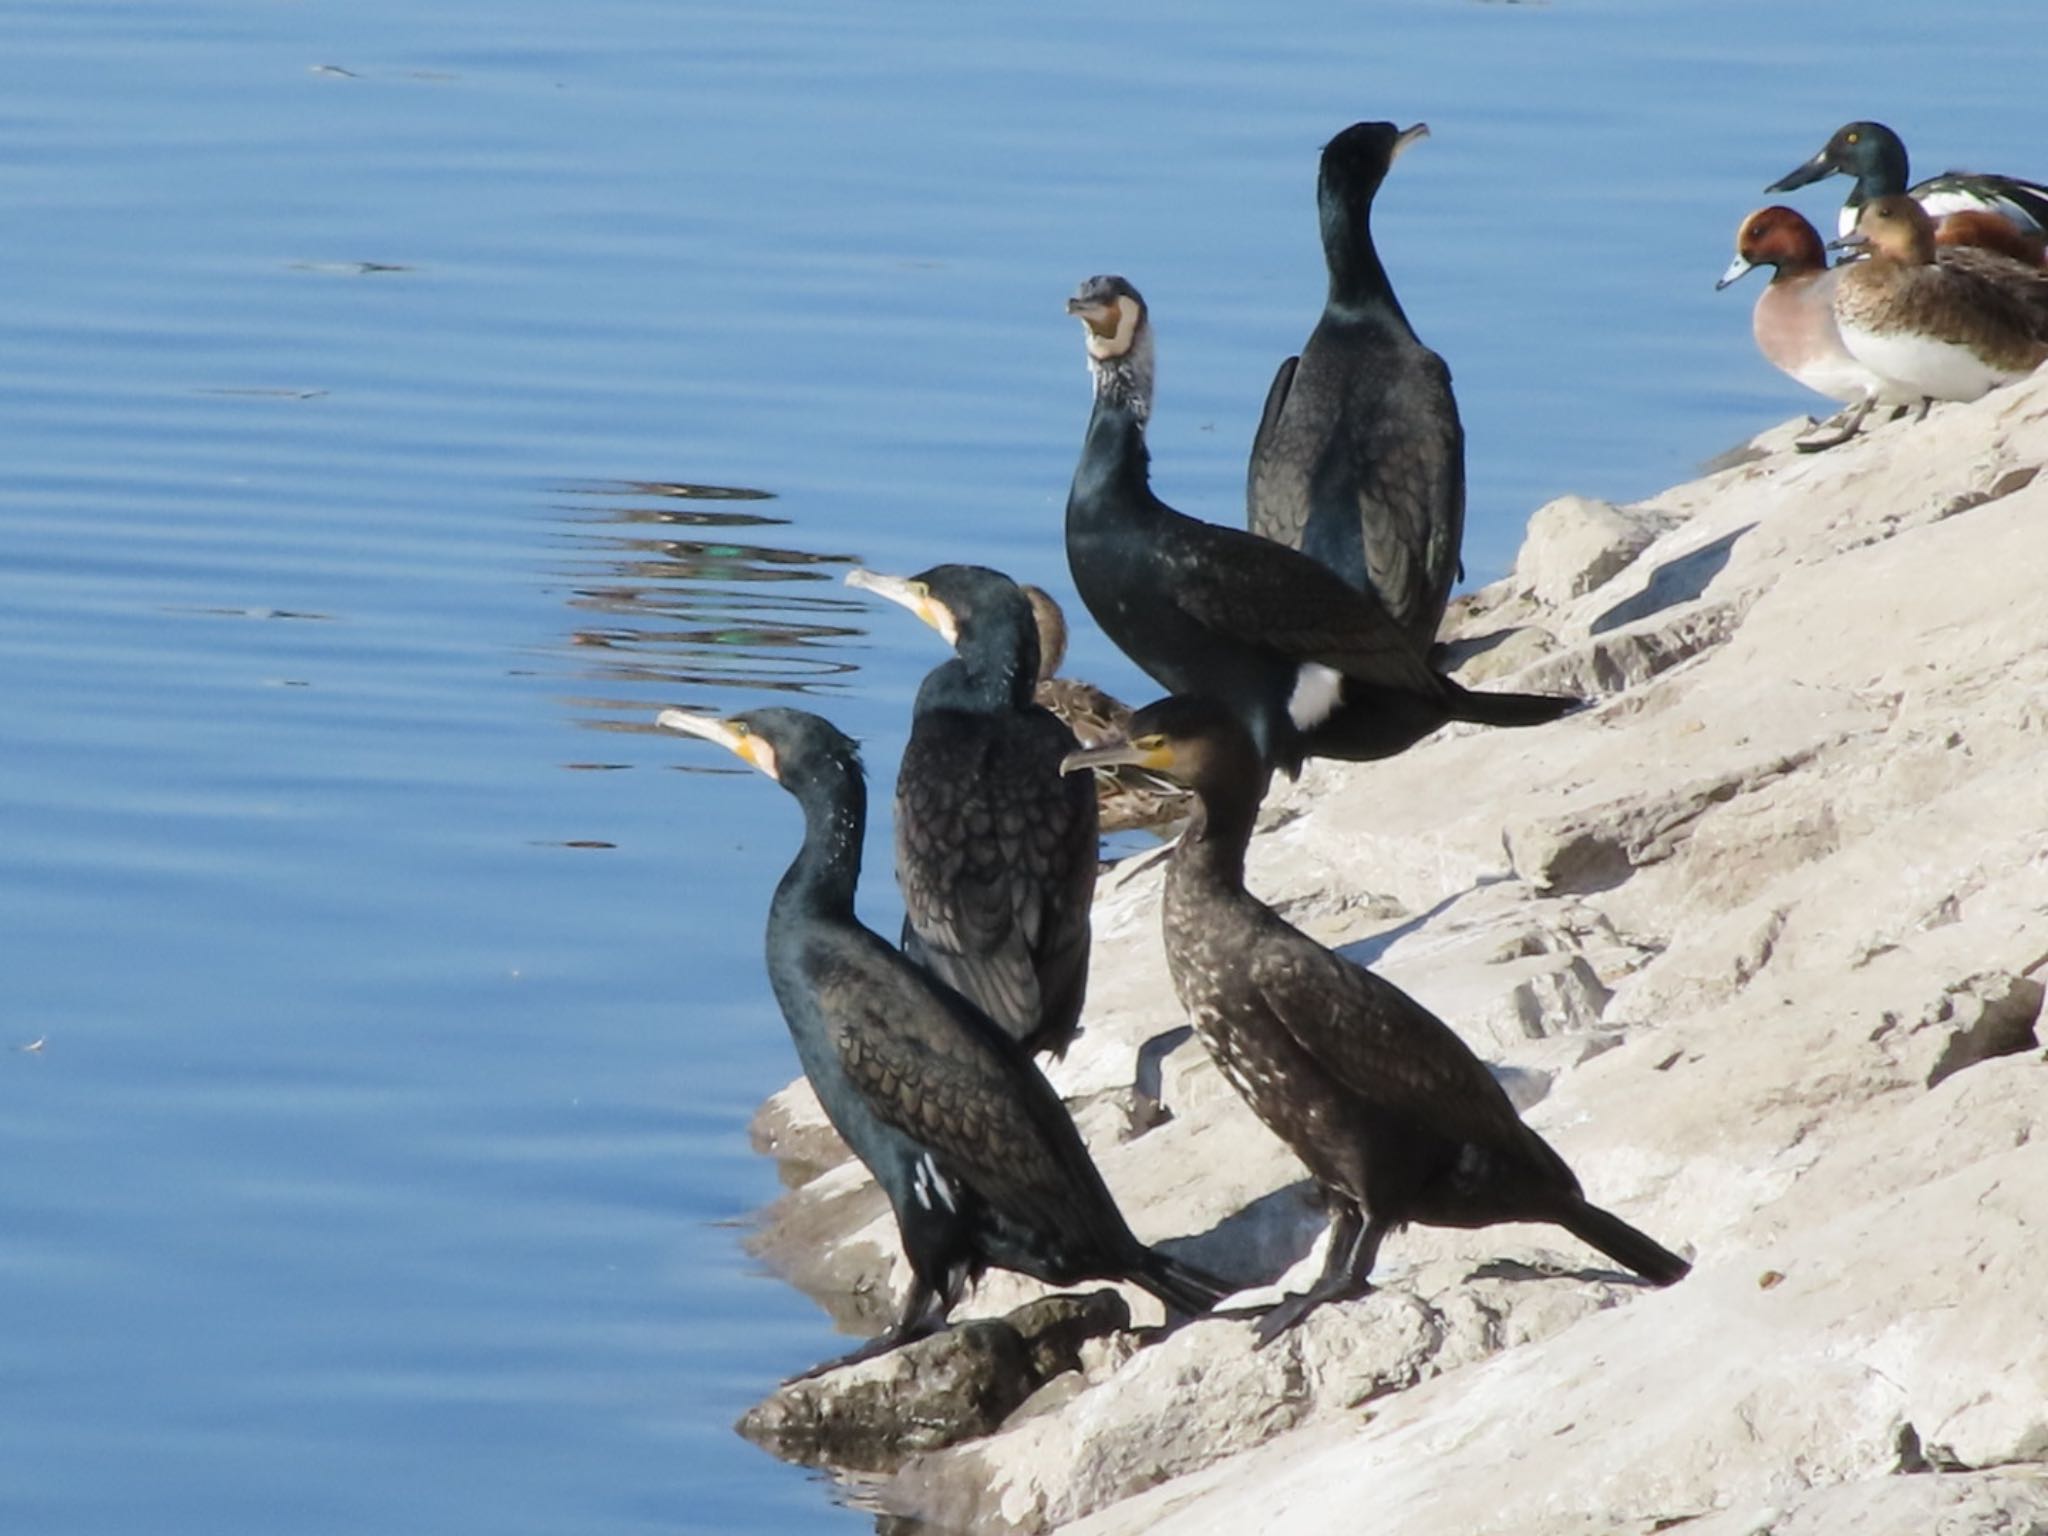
{"x":1267,"y":597}
{"x":1379,"y":1042}
{"x":1264,"y":515}
{"x":1394,"y":471}
{"x":996,"y":858}
{"x":931,"y":1067}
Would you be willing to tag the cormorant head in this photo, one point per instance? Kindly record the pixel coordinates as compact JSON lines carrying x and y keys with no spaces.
{"x":1187,"y":738}
{"x":1052,"y":630}
{"x":1856,"y":149}
{"x":1113,"y":314}
{"x":792,"y":746}
{"x":981,"y":613}
{"x":1358,"y":159}
{"x":1778,"y":237}
{"x":1894,"y":226}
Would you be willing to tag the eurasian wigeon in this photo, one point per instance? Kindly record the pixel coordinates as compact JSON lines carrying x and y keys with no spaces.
{"x":1945,"y":330}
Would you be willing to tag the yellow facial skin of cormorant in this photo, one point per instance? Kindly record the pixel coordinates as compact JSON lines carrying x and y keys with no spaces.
{"x":909,"y":594}
{"x":729,"y":734}
{"x":1150,"y":752}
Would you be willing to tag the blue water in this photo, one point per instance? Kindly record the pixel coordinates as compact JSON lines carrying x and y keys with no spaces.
{"x":380,"y":1008}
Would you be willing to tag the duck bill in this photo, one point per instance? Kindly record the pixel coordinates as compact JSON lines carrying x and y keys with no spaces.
{"x":1853,"y":243}
{"x":1740,"y":267}
{"x":1805,"y":175}
{"x":1116,"y":754}
{"x":906,"y":593}
{"x":748,"y":748}
{"x":1406,"y":138}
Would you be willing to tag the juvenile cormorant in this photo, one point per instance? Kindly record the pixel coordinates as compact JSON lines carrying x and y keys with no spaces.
{"x":995,"y":849}
{"x":1391,"y":1112}
{"x":1876,"y":157}
{"x":1314,"y":668}
{"x":1126,"y":799}
{"x":1359,"y":460}
{"x":978,"y":1156}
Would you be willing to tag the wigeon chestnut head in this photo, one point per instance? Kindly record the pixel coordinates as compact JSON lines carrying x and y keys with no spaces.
{"x":1794,"y":318}
{"x":1974,"y":229}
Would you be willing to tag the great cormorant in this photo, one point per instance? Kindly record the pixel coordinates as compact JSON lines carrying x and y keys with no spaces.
{"x":995,"y":848}
{"x":1389,"y":1109}
{"x":1313,"y":668}
{"x":978,"y":1156}
{"x":1359,"y":460}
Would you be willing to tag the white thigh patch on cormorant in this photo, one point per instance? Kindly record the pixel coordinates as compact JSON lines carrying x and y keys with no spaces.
{"x":930,"y":1186}
{"x":1317,"y":690}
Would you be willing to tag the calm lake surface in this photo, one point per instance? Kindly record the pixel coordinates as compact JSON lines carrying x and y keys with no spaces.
{"x":380,"y":998}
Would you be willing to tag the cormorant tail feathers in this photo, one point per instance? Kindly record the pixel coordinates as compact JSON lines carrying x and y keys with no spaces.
{"x":1509,"y":708}
{"x":1623,"y":1243}
{"x":1181,"y":1286}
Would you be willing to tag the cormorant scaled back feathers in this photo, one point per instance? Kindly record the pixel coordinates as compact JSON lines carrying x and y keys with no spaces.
{"x":995,"y":849}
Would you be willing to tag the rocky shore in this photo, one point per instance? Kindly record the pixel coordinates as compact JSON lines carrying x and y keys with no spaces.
{"x":1759,"y":945}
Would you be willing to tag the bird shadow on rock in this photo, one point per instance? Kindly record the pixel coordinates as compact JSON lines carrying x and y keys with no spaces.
{"x":1370,"y":950}
{"x":1258,"y":1242}
{"x":1523,"y":1273}
{"x":1678,"y":580}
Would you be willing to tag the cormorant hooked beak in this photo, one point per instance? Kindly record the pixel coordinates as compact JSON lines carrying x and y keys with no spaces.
{"x":1741,"y":266}
{"x":910,"y":594}
{"x":729,"y":734}
{"x":1150,"y":752}
{"x":1407,"y":137}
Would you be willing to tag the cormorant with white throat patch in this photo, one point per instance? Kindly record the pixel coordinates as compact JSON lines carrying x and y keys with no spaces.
{"x":995,"y":848}
{"x":978,"y":1156}
{"x":1312,"y":667}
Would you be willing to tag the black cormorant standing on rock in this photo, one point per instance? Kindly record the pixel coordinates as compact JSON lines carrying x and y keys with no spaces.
{"x":995,"y":848}
{"x":978,"y":1156}
{"x":1359,"y":460}
{"x":1127,"y":799}
{"x":1389,"y":1109}
{"x":1312,"y":667}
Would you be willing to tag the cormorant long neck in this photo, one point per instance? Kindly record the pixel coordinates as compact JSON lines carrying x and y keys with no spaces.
{"x":1219,"y":832}
{"x":1357,"y":280}
{"x":822,"y":880}
{"x":990,"y":677}
{"x":1115,"y":462}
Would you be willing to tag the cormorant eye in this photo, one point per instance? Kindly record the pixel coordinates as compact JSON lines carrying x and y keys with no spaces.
{"x":1854,"y":137}
{"x":1150,"y":743}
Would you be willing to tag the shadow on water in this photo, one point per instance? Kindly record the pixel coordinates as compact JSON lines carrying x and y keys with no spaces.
{"x":672,"y":599}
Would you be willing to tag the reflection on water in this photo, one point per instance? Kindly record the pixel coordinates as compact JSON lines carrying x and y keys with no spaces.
{"x":670,"y":598}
